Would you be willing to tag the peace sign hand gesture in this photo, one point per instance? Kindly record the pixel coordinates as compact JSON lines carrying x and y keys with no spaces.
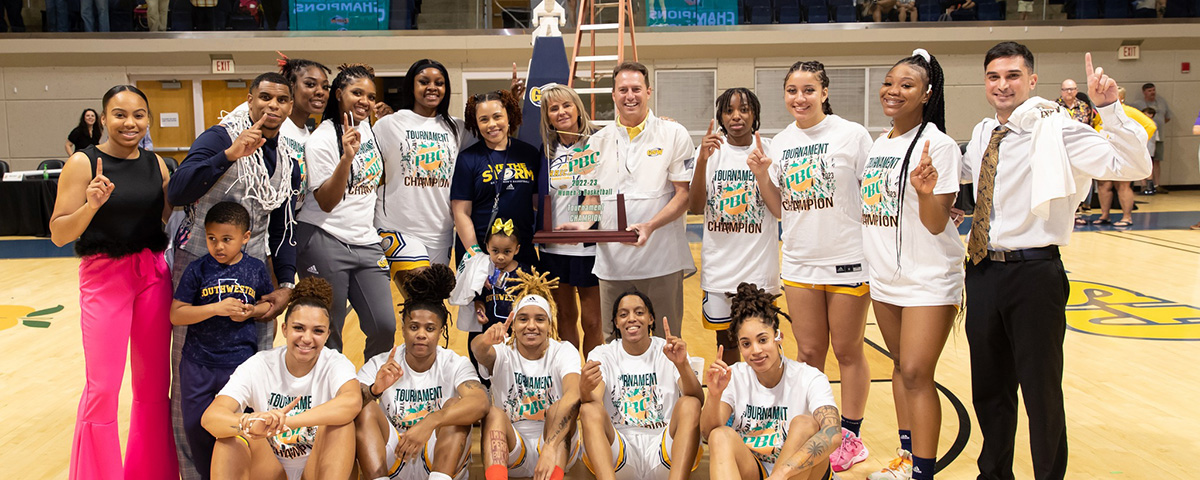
{"x":1101,"y":88}
{"x":758,"y":161}
{"x":676,"y":348}
{"x":389,"y":373}
{"x":248,"y":141}
{"x":924,"y":177}
{"x":100,"y":188}
{"x":351,"y":139}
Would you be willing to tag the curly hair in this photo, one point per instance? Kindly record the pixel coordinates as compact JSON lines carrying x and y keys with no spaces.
{"x":313,"y":292}
{"x":511,"y":104}
{"x":428,"y":290}
{"x":539,"y":284}
{"x":645,"y":299}
{"x":751,"y":302}
{"x":292,"y":68}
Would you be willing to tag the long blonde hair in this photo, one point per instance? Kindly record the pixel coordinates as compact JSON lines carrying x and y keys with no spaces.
{"x":537,"y":284}
{"x":559,"y":93}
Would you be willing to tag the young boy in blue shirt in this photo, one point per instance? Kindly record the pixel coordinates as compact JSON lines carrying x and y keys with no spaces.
{"x":218,"y":299}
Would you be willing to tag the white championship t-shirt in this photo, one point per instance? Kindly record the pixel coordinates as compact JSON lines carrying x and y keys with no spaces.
{"x":292,"y":138}
{"x":930,"y":268}
{"x":817,"y":171}
{"x":572,"y":175}
{"x":351,"y":220}
{"x":419,"y":155}
{"x":525,"y":388}
{"x":741,"y":236}
{"x":762,"y":415}
{"x":640,"y":391}
{"x":263,"y":383}
{"x":418,"y":394}
{"x":643,"y":169}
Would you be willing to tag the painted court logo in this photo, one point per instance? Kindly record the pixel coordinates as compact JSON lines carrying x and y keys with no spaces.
{"x":1111,"y":311}
{"x":13,"y":315}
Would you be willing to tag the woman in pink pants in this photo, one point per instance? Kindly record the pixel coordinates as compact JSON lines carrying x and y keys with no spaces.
{"x":124,"y":293}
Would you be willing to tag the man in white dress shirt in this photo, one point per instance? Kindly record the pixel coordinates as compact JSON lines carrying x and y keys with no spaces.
{"x":1016,"y":286}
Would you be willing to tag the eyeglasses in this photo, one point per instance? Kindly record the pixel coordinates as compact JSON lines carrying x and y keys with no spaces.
{"x":1070,"y":89}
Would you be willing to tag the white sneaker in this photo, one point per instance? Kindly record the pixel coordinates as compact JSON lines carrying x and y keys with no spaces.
{"x":900,"y":468}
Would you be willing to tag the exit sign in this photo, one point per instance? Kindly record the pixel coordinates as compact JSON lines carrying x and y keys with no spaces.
{"x":1129,"y":52}
{"x":222,"y":65}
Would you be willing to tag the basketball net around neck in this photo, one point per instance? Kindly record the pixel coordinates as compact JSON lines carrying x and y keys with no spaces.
{"x":253,"y":174}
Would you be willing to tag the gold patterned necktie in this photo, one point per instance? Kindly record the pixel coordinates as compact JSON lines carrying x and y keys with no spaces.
{"x":978,"y":241}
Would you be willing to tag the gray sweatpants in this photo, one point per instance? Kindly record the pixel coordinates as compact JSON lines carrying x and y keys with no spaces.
{"x":356,"y":275}
{"x":665,"y":292}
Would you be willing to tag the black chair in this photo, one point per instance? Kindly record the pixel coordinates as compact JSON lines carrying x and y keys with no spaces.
{"x":928,"y":10}
{"x":1116,"y":9}
{"x":989,"y":11}
{"x":761,"y":11}
{"x":1087,"y":9}
{"x":789,"y":14}
{"x":171,"y":164}
{"x":4,"y":167}
{"x":50,"y":164}
{"x":817,"y":13}
{"x":845,"y":14}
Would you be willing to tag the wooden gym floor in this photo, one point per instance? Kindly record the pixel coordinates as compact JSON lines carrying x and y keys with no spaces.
{"x":1134,"y":326}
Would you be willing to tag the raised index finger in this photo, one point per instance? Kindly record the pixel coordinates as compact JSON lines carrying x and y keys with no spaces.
{"x":1087,"y":64}
{"x":262,"y":119}
{"x":292,"y":405}
{"x":711,"y":124}
{"x":99,"y":167}
{"x":347,"y":124}
{"x":666,"y":328}
{"x":925,"y":151}
{"x":514,"y":77}
{"x":392,"y":355}
{"x":757,"y":141}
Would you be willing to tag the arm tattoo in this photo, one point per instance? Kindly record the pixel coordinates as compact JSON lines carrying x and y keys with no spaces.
{"x":473,"y":385}
{"x":819,"y":445}
{"x":566,"y":421}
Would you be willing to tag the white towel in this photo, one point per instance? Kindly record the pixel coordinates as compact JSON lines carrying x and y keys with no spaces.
{"x":1053,"y":177}
{"x":472,"y":274}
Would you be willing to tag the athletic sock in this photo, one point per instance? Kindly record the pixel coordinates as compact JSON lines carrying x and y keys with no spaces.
{"x":852,"y":425}
{"x":906,"y":440}
{"x":557,"y":474}
{"x":922,"y":468}
{"x":496,"y":472}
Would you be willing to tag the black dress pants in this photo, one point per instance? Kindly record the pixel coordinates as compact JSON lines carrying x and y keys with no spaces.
{"x":1016,"y":321}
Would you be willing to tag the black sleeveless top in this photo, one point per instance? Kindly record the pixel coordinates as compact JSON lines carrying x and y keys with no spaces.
{"x":131,"y":219}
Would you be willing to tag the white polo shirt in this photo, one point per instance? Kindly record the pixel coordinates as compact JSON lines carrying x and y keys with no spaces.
{"x":643,"y":168}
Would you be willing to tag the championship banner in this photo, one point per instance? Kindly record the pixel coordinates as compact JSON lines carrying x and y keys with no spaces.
{"x":339,"y":14}
{"x":688,"y":13}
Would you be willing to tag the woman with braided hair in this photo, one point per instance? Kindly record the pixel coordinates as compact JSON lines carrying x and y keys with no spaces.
{"x":914,"y":251}
{"x":428,"y":396}
{"x":530,"y":430}
{"x":310,"y":93}
{"x":303,"y":396}
{"x":336,"y":236}
{"x":768,"y":416}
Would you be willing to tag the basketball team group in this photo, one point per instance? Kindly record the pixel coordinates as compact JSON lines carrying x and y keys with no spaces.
{"x":575,"y":349}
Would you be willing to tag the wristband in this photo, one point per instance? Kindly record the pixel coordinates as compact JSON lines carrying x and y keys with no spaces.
{"x":289,"y":285}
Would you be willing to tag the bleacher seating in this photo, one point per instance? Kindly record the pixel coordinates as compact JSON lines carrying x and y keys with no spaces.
{"x":4,"y":167}
{"x":989,"y":11}
{"x":1117,"y":9}
{"x":928,"y":10}
{"x":761,"y":12}
{"x":846,"y":14}
{"x":817,"y":12}
{"x":789,"y":11}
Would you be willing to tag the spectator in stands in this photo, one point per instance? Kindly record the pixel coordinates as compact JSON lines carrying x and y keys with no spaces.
{"x":907,"y":7}
{"x":878,"y":8}
{"x":1025,"y":7}
{"x":959,"y":9}
{"x":12,"y":9}
{"x":56,"y":16}
{"x":86,"y":134}
{"x":93,"y":11}
{"x":1150,"y":98}
{"x":1146,"y":8}
{"x":156,"y":14}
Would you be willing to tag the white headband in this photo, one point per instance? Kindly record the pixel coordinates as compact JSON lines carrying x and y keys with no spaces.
{"x":923,"y":54}
{"x":536,"y":300}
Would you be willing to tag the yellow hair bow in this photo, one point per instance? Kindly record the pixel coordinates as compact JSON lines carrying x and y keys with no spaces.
{"x":505,"y":226}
